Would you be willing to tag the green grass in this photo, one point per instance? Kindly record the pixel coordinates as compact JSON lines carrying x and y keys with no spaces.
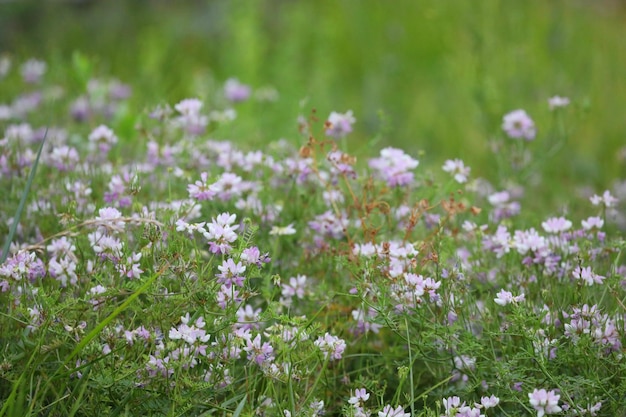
{"x":443,"y":72}
{"x":94,"y":324}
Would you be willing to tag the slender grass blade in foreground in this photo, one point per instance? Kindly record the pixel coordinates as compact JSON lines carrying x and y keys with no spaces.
{"x":20,"y":207}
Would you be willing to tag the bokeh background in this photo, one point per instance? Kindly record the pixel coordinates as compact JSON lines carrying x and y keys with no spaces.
{"x":426,"y":75}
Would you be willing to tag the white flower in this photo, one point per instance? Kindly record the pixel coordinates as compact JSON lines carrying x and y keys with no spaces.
{"x":592,"y":222}
{"x":545,"y":402}
{"x":556,"y":225}
{"x":339,"y":125}
{"x":557,"y":101}
{"x":518,"y":125}
{"x":189,"y":107}
{"x":489,"y":402}
{"x":360,"y":396}
{"x":286,"y":230}
{"x":458,"y":169}
{"x":606,"y":199}
{"x":506,"y":297}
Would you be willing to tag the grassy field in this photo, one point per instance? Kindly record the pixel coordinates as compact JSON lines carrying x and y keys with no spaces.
{"x":385,"y":216}
{"x":442,"y":72}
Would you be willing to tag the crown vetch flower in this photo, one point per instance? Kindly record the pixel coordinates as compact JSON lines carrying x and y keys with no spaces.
{"x":360,"y":396}
{"x":489,"y":402}
{"x":331,"y":346}
{"x":189,"y":107}
{"x":235,"y":91}
{"x":556,"y":225}
{"x":606,"y":199}
{"x":592,"y":222}
{"x":389,"y":411}
{"x":284,"y":230}
{"x":339,"y":125}
{"x":33,"y":70}
{"x":506,"y":297}
{"x":545,"y":402}
{"x":586,"y":275}
{"x":518,"y":125}
{"x":394,"y":167}
{"x":259,"y":352}
{"x":103,"y":138}
{"x":458,"y":169}
{"x":231,"y":273}
{"x":558,"y":101}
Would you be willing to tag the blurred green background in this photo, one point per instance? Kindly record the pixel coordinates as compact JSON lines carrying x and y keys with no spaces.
{"x":443,"y":72}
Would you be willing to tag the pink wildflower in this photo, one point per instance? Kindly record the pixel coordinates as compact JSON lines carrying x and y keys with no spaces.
{"x":339,"y":125}
{"x":235,"y":91}
{"x":518,"y":125}
{"x":394,"y":166}
{"x":556,"y":225}
{"x":587,"y":275}
{"x":360,"y":396}
{"x":257,"y":352}
{"x":592,"y":222}
{"x":389,"y":411}
{"x":505,"y":297}
{"x":557,"y":101}
{"x":489,"y":402}
{"x":606,"y":199}
{"x":458,"y":169}
{"x":545,"y":402}
{"x":103,"y":138}
{"x":331,"y":346}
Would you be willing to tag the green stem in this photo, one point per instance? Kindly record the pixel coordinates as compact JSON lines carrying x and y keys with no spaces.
{"x":408,"y":337}
{"x":317,"y":380}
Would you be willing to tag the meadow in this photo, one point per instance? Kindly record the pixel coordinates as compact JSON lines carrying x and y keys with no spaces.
{"x":333,"y":208}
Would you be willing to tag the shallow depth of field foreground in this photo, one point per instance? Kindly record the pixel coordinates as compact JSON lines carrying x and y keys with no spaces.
{"x":159,"y":261}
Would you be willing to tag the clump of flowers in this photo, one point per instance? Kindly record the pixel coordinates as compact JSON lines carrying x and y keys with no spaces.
{"x":453,"y":407}
{"x":33,"y":70}
{"x":506,"y":297}
{"x":389,"y":411}
{"x":235,"y":91}
{"x":606,"y":199}
{"x":331,"y":346}
{"x":189,"y":117}
{"x":394,"y":167}
{"x":215,"y":279}
{"x":544,"y":402}
{"x":103,"y":139}
{"x":458,"y":169}
{"x":339,"y":124}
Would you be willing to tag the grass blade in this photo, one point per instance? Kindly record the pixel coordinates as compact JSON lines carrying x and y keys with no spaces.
{"x":92,"y":334}
{"x":239,"y":408}
{"x":20,"y":207}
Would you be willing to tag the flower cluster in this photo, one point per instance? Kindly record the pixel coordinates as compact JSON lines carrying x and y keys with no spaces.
{"x":458,"y":169}
{"x":394,"y":167}
{"x":453,"y":407}
{"x":331,"y":346}
{"x":339,"y":125}
{"x":518,"y":125}
{"x":296,"y":281}
{"x":189,"y":117}
{"x":544,"y":402}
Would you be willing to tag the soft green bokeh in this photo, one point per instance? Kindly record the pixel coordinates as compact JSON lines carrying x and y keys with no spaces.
{"x":443,"y":72}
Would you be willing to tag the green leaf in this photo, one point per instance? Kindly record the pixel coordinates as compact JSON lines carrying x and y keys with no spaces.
{"x":239,"y":408}
{"x":83,"y":67}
